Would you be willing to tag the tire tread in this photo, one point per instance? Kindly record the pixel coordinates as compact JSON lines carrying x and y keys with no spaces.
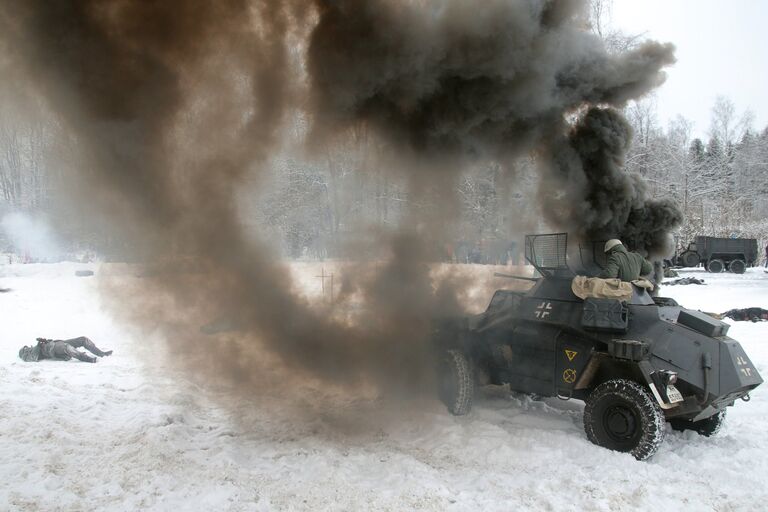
{"x":653,"y":423}
{"x":460,"y":401}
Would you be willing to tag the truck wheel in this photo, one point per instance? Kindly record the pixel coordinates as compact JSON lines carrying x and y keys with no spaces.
{"x":690,"y":259}
{"x":716,"y":266}
{"x":456,"y":382}
{"x":737,"y":266}
{"x":706,"y":427}
{"x":621,"y":415}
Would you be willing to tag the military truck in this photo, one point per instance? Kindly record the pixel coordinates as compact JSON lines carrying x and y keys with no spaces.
{"x":635,"y":362}
{"x":718,"y":254}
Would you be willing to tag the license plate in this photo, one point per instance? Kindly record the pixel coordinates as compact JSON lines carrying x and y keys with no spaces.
{"x":673,"y":394}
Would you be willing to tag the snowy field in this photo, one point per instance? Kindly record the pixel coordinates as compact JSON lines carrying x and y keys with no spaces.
{"x":130,"y":434}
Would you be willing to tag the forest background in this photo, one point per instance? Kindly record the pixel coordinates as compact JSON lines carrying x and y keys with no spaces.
{"x":314,"y":207}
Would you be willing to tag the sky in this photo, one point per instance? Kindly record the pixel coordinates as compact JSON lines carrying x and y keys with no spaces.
{"x":722,"y":49}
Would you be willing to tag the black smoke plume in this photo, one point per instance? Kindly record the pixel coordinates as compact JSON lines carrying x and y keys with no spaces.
{"x":449,"y":78}
{"x":174,"y":104}
{"x":453,"y":76}
{"x":599,"y":200}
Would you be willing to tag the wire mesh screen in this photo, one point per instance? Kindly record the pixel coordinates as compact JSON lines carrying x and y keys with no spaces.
{"x":547,"y":252}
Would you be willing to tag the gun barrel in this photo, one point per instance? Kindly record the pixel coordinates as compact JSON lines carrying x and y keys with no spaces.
{"x":499,"y":274}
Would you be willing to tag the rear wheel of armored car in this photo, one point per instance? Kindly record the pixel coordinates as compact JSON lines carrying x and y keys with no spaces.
{"x":706,"y":427}
{"x":716,"y":266}
{"x":690,"y":259}
{"x":456,"y":382}
{"x":737,"y":266}
{"x":621,"y":415}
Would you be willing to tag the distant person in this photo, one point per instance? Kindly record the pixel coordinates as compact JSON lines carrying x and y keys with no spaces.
{"x":514,"y":254}
{"x":657,"y":277}
{"x":622,"y":264}
{"x":766,"y":256}
{"x":475,"y":255}
{"x":62,"y":350}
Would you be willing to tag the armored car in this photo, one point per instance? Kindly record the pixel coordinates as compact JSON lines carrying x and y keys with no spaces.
{"x":636,"y":361}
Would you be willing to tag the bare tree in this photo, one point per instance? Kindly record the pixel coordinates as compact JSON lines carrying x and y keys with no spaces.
{"x":726,"y":125}
{"x":600,"y":13}
{"x":24,"y":143}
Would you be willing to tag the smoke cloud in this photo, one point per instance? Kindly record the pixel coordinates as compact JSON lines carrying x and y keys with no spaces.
{"x":600,"y":201}
{"x":452,"y":77}
{"x":31,"y":236}
{"x":175,"y":104}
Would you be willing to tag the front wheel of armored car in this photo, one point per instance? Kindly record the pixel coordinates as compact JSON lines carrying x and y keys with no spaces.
{"x":706,"y":427}
{"x":456,"y":382}
{"x":621,"y":415}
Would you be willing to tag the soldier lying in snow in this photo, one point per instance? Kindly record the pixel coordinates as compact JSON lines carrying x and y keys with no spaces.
{"x":685,"y":280}
{"x":751,"y":314}
{"x":742,"y":315}
{"x":62,"y":350}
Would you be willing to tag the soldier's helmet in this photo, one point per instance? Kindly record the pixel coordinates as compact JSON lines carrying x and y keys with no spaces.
{"x":24,"y":352}
{"x":610,"y":244}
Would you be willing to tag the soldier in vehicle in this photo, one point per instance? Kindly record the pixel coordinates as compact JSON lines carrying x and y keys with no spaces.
{"x":63,"y":350}
{"x":625,"y":265}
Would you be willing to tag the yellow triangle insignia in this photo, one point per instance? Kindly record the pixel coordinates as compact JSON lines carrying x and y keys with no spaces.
{"x":570,"y":354}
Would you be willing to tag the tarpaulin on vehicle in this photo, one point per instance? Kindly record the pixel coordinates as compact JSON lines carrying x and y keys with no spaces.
{"x":596,"y":287}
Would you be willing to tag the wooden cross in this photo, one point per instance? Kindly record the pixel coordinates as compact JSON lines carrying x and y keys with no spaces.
{"x":323,"y":276}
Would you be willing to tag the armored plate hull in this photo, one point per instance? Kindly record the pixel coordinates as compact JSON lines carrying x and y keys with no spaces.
{"x":549,"y":342}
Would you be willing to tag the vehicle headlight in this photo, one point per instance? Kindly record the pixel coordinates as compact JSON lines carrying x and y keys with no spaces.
{"x":669,"y":377}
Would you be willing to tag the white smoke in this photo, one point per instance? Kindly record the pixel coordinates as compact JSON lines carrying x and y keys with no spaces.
{"x":31,"y":237}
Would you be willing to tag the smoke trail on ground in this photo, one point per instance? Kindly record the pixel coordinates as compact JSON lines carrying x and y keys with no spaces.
{"x":176,"y":103}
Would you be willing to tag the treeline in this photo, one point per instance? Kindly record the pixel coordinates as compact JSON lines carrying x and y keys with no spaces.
{"x":315,"y":208}
{"x":720,"y":183}
{"x":323,"y":206}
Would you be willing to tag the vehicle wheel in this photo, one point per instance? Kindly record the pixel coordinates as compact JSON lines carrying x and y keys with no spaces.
{"x":456,"y":382}
{"x":737,"y":266}
{"x":690,"y":259}
{"x":621,"y":415}
{"x":716,"y":266}
{"x":706,"y":427}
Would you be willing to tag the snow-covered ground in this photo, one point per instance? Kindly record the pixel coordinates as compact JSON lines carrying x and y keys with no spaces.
{"x":131,"y":434}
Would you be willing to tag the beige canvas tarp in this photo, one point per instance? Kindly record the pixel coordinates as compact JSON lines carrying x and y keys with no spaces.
{"x":595,"y":287}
